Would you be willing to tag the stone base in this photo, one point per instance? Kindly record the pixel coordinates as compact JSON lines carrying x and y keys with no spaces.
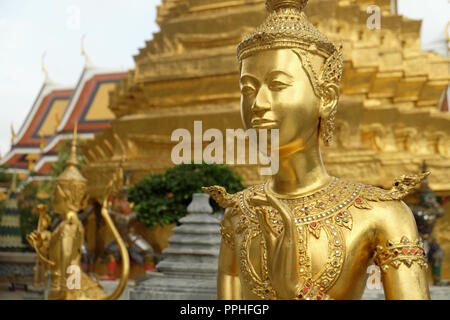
{"x":34,"y":294}
{"x":18,"y":264}
{"x":160,"y":287}
{"x":110,"y":285}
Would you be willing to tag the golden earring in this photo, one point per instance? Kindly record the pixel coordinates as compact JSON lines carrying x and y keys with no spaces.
{"x":327,"y":128}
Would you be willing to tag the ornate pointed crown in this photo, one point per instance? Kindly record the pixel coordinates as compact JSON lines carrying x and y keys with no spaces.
{"x":71,"y":175}
{"x":287,"y":27}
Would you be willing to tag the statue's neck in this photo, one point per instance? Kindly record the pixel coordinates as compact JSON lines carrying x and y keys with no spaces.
{"x":301,"y":170}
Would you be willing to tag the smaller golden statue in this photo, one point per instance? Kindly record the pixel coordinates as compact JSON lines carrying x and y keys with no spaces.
{"x":45,"y":235}
{"x":61,"y":250}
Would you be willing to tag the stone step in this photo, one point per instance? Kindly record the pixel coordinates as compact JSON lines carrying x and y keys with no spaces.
{"x":187,"y":259}
{"x":195,"y":250}
{"x":194,"y":229}
{"x":199,"y":218}
{"x":195,"y":239}
{"x":184,"y":268}
{"x":188,"y":269}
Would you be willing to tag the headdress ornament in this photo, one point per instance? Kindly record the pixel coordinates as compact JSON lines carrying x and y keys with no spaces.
{"x":288,"y":27}
{"x":71,"y":174}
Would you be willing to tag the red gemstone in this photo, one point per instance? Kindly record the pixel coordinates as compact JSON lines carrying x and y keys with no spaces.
{"x":236,"y":206}
{"x":358,"y":200}
{"x":305,"y":290}
{"x":396,"y":252}
{"x":386,"y":254}
{"x":367,"y":187}
{"x":405,"y":251}
{"x":259,"y":226}
{"x":318,"y":298}
{"x":321,"y":203}
{"x":420,"y":251}
{"x":313,"y":224}
{"x":308,"y":285}
{"x":300,"y":296}
{"x":340,"y":214}
{"x":413,"y":251}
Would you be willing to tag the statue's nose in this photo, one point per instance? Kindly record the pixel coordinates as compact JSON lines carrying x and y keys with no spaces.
{"x":262,"y":101}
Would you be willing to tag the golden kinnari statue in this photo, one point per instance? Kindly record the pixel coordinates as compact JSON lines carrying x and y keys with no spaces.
{"x":304,"y":234}
{"x":45,"y":236}
{"x":60,"y":251}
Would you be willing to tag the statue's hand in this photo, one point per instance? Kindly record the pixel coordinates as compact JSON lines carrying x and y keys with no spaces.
{"x":35,"y":239}
{"x":281,"y":248}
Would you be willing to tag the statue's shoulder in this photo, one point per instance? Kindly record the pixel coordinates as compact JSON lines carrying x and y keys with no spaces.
{"x":222,"y":197}
{"x":392,"y":217}
{"x":389,"y":198}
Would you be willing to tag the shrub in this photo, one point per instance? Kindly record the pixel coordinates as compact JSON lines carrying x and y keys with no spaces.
{"x":163,"y":198}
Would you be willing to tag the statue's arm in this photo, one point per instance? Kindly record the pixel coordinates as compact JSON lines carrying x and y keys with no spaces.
{"x":228,"y":283}
{"x":400,"y":254}
{"x":68,"y":241}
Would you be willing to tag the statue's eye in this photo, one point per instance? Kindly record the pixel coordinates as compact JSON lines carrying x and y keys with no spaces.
{"x":247,"y":90}
{"x":277,"y":85}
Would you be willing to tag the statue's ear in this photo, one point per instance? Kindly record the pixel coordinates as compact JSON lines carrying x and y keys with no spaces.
{"x":329,"y":99}
{"x":84,"y":202}
{"x":60,"y":191}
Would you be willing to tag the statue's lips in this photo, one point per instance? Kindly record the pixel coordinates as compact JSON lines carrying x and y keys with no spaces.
{"x":264,"y":123}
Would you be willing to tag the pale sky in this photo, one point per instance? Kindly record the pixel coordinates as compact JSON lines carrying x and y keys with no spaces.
{"x":114,"y":30}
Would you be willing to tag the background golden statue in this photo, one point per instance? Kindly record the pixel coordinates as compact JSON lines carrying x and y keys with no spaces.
{"x":62,"y":252}
{"x":304,"y":234}
{"x":45,"y":236}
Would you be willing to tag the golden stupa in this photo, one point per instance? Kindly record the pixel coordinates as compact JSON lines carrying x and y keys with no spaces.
{"x":388,"y":120}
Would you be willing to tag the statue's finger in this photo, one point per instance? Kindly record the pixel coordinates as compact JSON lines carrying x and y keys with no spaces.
{"x":259,"y":199}
{"x":266,"y":227}
{"x":283,"y":210}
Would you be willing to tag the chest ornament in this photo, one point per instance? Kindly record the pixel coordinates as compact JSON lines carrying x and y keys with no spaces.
{"x":325,"y":212}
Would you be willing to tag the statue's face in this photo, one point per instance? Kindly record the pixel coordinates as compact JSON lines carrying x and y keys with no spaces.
{"x":59,"y":202}
{"x":276,"y":93}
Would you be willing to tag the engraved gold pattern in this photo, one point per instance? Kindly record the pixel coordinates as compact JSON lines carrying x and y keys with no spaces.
{"x":327,"y":209}
{"x":404,"y":252}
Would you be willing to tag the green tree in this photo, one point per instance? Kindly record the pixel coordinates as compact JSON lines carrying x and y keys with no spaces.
{"x":4,"y":175}
{"x":163,"y":198}
{"x":26,"y":202}
{"x":5,"y":178}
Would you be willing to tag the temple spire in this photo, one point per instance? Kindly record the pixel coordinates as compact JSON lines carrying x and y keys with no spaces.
{"x":87,"y":61}
{"x":44,"y":69}
{"x":13,"y":134}
{"x":73,"y":160}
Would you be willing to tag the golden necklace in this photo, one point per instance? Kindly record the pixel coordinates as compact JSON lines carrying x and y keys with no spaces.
{"x":326,"y":209}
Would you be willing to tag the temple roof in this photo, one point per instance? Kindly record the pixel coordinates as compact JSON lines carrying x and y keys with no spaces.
{"x":52,"y":117}
{"x":88,"y":107}
{"x":39,"y":125}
